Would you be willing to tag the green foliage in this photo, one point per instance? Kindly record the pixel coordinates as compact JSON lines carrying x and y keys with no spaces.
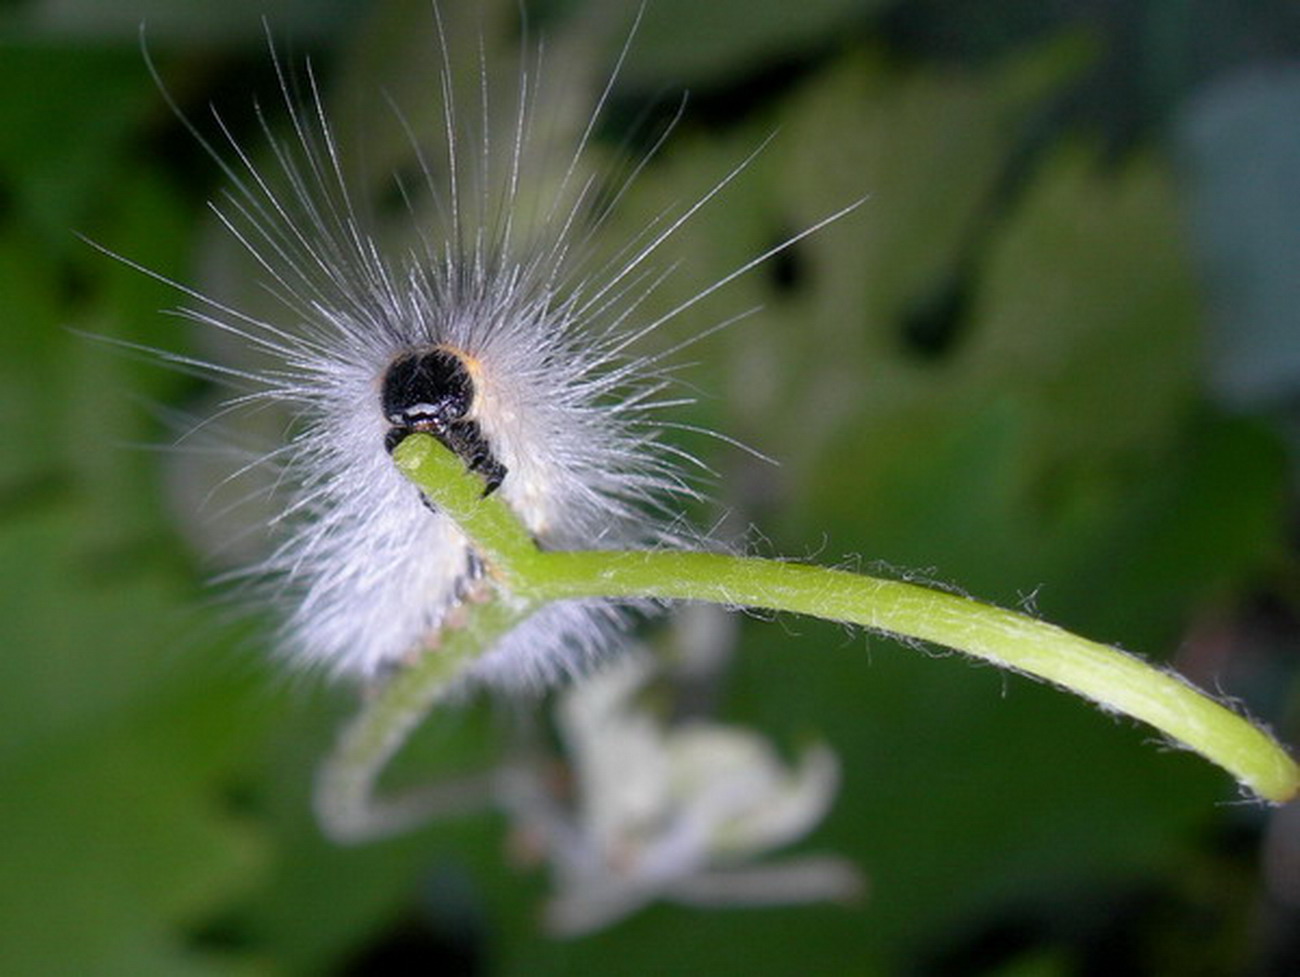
{"x":154,"y":789}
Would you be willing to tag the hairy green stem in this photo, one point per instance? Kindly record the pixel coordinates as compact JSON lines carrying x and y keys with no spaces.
{"x":346,"y":805}
{"x":1115,"y":680}
{"x":526,"y":578}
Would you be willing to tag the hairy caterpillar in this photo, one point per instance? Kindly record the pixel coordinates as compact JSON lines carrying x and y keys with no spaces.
{"x":500,"y":331}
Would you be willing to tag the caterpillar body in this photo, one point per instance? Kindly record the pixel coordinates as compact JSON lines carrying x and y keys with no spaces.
{"x":500,"y":327}
{"x":507,"y":339}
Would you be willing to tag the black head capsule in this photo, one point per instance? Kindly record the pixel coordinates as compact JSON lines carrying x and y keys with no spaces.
{"x":427,"y":391}
{"x":432,"y":391}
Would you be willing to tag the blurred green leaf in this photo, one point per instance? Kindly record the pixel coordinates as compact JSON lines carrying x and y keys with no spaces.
{"x":732,"y":38}
{"x":117,"y":737}
{"x":114,"y":826}
{"x":1054,"y":448}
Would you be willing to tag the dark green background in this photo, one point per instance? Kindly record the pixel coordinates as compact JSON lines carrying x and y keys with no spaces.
{"x":1049,"y":361}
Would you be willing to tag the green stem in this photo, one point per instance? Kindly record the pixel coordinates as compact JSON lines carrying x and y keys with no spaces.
{"x":346,"y":806}
{"x":1117,"y":681}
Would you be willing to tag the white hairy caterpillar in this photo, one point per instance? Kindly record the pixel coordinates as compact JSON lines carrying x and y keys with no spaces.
{"x":498,"y":332}
{"x":501,"y":334}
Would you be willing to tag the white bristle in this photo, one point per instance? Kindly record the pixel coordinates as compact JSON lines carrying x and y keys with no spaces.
{"x":365,"y":571}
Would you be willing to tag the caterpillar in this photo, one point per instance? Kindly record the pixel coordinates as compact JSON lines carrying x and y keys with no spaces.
{"x":500,"y":329}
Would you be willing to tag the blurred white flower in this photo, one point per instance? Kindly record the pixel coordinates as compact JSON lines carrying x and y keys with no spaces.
{"x":674,"y":812}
